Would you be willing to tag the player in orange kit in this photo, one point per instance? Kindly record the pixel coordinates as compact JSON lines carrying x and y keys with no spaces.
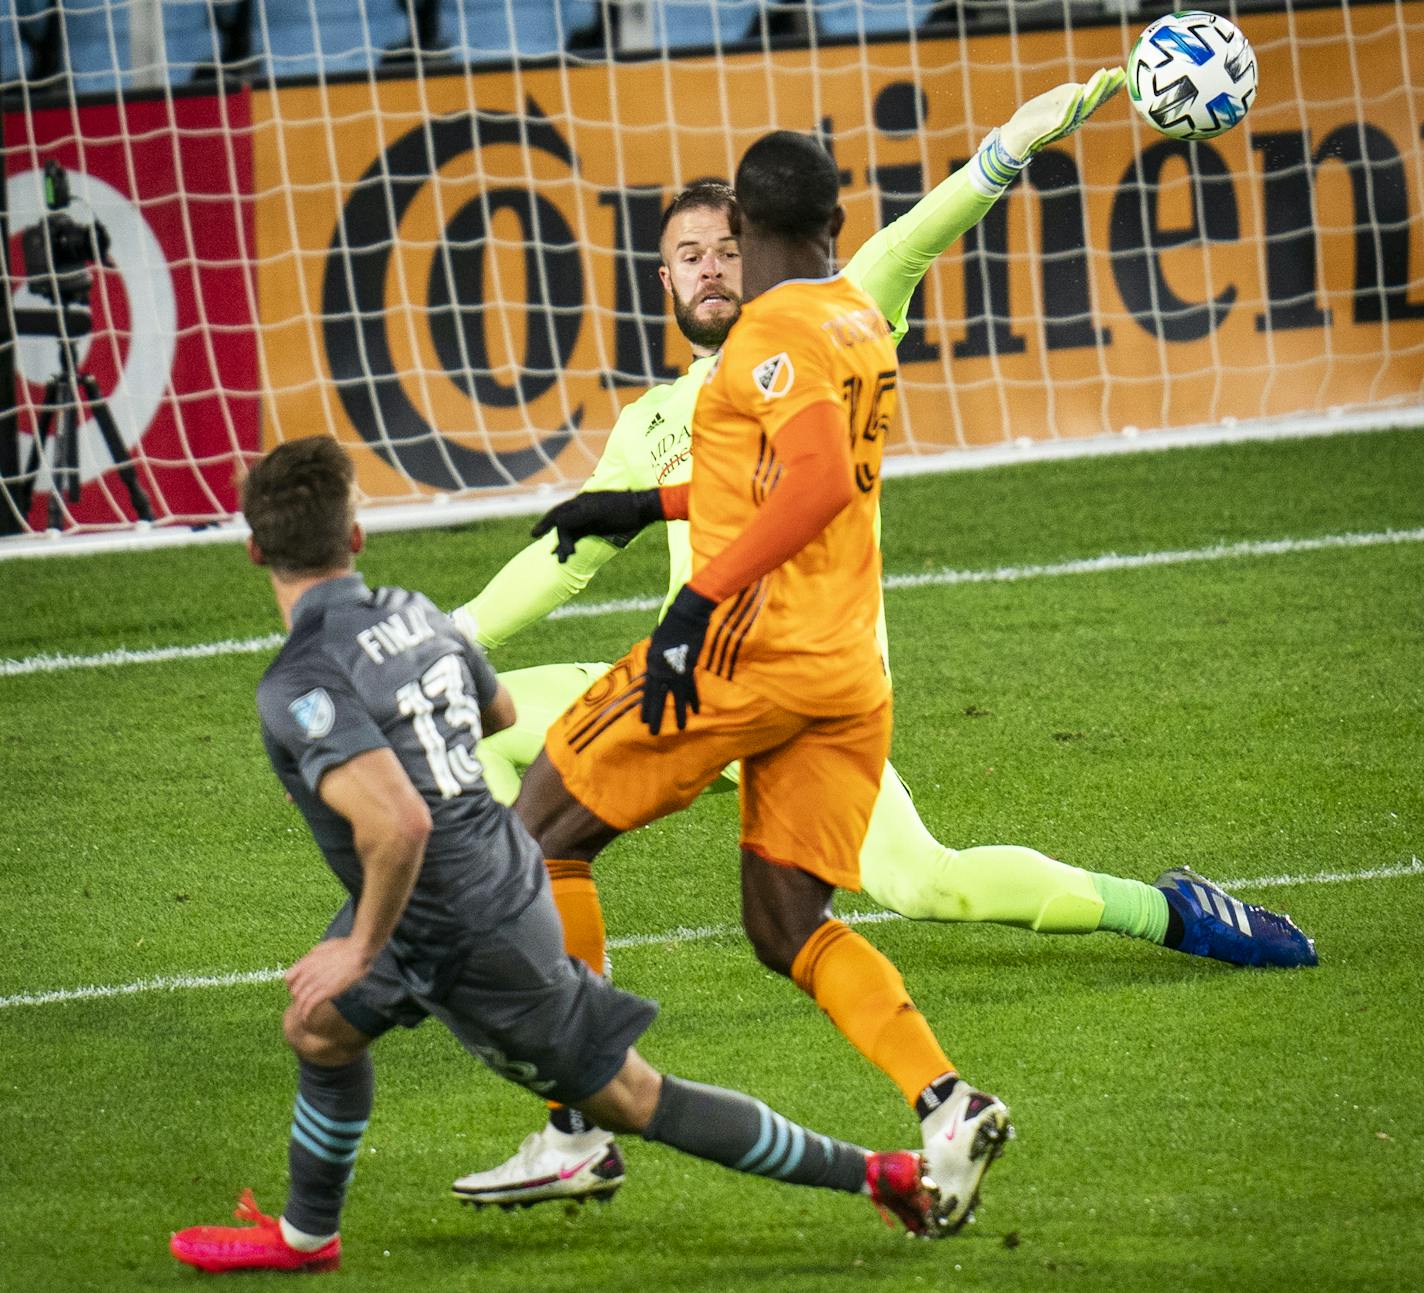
{"x":769,"y":653}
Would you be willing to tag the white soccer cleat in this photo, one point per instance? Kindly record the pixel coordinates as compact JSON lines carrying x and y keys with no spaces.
{"x":550,"y":1164}
{"x":962,"y":1138}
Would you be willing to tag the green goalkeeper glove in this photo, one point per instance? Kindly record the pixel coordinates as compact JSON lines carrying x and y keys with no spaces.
{"x":1044,"y":119}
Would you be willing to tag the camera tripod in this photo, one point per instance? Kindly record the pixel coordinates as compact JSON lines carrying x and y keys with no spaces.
{"x":62,"y":405}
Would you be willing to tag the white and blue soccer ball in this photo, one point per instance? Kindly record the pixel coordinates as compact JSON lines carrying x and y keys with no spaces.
{"x":1192,"y":75}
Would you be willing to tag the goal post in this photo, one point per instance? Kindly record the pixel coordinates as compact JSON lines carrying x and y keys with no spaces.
{"x":446,"y":258}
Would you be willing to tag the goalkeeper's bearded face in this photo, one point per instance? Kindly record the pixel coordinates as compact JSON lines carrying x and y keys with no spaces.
{"x":702,"y":272}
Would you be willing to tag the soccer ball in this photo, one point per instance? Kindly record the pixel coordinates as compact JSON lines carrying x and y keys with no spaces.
{"x":1192,"y":75}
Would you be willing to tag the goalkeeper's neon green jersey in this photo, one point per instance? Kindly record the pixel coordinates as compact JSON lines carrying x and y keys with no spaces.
{"x":651,"y":443}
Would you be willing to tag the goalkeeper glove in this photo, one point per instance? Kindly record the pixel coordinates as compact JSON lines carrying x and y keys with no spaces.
{"x":615,"y":514}
{"x":1044,"y":119}
{"x":672,"y":657}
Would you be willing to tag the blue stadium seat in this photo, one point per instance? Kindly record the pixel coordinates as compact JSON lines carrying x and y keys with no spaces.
{"x":851,"y":17}
{"x":577,"y":15}
{"x":14,"y":57}
{"x":686,"y":23}
{"x":96,"y":36}
{"x":480,"y":30}
{"x":306,"y":37}
{"x":189,"y":38}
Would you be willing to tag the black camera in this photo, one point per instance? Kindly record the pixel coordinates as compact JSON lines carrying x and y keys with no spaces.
{"x":58,"y":250}
{"x":59,"y":254}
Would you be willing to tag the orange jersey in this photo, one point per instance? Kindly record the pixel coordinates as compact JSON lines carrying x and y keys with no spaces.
{"x":803,"y":635}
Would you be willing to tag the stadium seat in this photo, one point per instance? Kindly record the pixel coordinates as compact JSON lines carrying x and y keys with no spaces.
{"x":14,"y":54}
{"x":851,"y":17}
{"x":577,"y":15}
{"x":945,"y":16}
{"x":480,"y":30}
{"x":190,"y":39}
{"x":95,"y":42}
{"x":307,"y":37}
{"x":687,"y":24}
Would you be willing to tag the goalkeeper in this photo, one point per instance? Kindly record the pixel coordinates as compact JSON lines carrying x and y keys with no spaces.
{"x":903,"y":867}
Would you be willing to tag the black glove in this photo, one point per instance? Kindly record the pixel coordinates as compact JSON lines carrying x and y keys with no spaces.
{"x":616,"y":514}
{"x":672,"y":657}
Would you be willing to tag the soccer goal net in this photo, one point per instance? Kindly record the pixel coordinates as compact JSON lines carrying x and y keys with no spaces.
{"x":429,"y":228}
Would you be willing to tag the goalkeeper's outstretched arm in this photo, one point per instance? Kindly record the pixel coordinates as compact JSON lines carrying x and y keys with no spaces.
{"x":528,"y":586}
{"x":541,"y":578}
{"x":891,"y":264}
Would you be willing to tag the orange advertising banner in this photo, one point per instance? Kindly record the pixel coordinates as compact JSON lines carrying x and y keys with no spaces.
{"x":460,"y":271}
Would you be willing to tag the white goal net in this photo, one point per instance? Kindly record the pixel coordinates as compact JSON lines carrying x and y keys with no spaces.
{"x":428,"y":228}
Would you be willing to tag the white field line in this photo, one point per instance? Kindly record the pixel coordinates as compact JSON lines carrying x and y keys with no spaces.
{"x":48,"y":662}
{"x":1391,"y":872}
{"x":441,"y":510}
{"x":1138,"y":561}
{"x":1110,"y":561}
{"x":678,"y":934}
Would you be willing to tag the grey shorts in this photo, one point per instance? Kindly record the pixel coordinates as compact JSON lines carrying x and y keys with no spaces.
{"x":516,"y":1001}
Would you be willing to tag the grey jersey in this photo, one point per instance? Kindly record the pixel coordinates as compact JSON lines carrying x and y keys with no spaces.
{"x":367,"y":669}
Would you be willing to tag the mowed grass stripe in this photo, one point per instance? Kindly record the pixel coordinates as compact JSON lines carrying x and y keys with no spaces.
{"x":679,"y":934}
{"x":1180,"y":1125}
{"x":49,"y":662}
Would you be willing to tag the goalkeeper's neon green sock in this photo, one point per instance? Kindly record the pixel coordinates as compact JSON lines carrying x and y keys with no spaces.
{"x":1131,"y":907}
{"x":903,"y":867}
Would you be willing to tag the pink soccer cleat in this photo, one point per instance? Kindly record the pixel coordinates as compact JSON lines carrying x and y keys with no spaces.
{"x":898,"y":1188}
{"x":259,"y":1246}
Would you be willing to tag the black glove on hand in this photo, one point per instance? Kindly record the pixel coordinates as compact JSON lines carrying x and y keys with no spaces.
{"x":617,"y":514}
{"x":672,"y":658}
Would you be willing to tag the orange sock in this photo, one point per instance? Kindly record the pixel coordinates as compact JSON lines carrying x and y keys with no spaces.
{"x":865,"y":997}
{"x":576,"y":897}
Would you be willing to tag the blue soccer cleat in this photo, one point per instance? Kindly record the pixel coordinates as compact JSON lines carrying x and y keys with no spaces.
{"x":1217,"y":925}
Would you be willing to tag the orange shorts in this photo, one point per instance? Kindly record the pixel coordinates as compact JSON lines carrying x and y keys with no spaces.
{"x":808,"y":784}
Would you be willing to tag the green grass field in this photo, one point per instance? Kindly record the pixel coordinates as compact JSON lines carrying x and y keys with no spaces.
{"x":1259,"y":716}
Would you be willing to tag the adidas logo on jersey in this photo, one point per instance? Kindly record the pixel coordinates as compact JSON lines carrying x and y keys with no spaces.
{"x":676,"y":658}
{"x":774,"y":376}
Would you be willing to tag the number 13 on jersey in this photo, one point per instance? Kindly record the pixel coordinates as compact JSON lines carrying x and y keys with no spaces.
{"x":453,"y":765}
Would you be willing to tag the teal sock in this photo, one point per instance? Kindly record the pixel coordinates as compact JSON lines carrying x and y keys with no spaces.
{"x":1131,"y":907}
{"x":333,"y":1106}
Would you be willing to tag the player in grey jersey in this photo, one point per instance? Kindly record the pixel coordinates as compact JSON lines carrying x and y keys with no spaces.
{"x":370,"y":716}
